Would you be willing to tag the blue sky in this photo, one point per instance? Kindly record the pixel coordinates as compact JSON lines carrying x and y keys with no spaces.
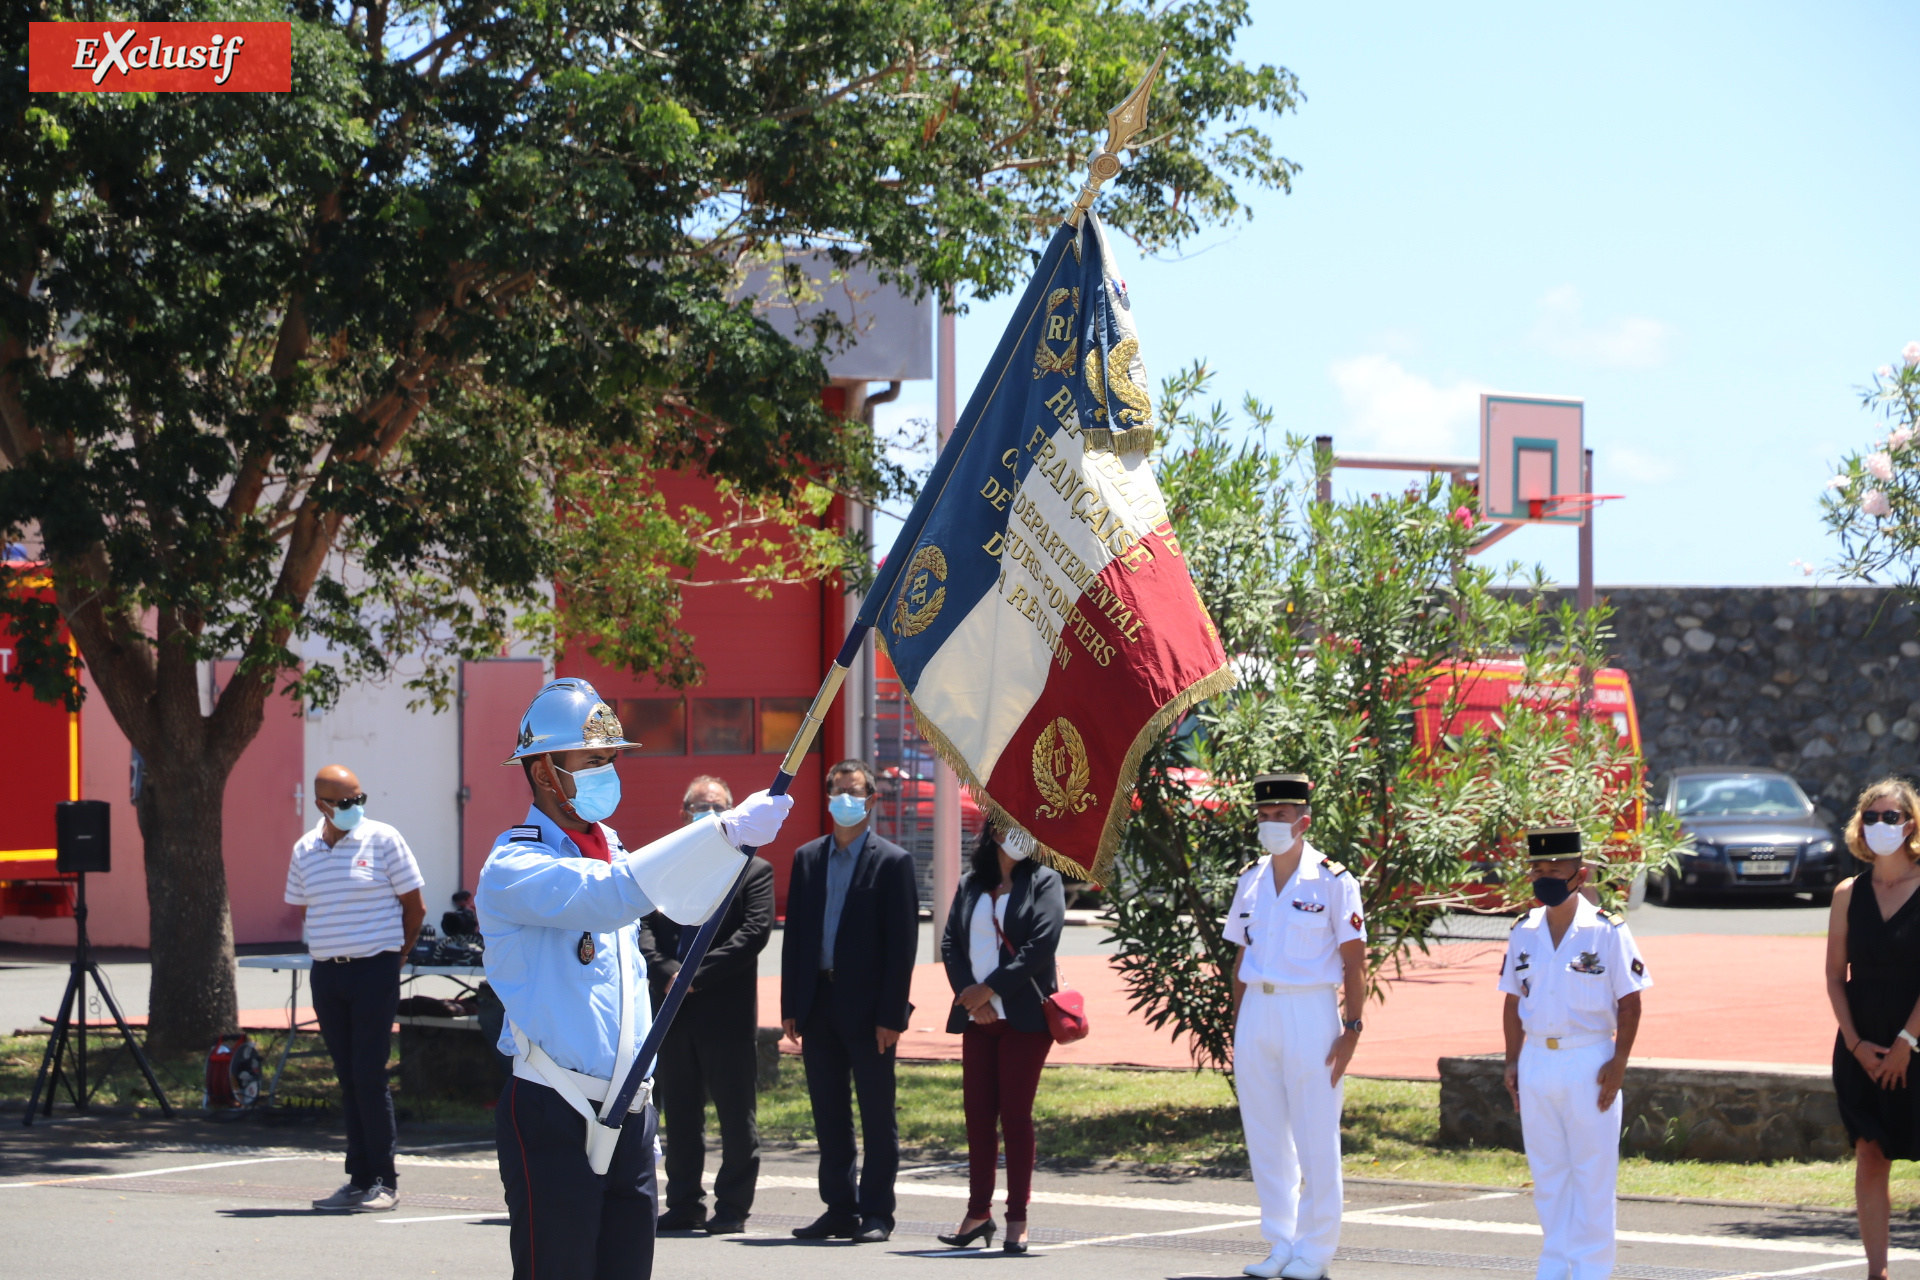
{"x":1702,"y":219}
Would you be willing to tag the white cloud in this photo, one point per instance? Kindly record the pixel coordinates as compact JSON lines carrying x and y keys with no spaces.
{"x":1391,"y":409}
{"x":1635,"y":342}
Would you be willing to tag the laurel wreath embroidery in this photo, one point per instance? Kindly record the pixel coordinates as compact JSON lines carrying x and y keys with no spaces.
{"x":1060,"y":752}
{"x":916,"y":606}
{"x":1044,"y":359}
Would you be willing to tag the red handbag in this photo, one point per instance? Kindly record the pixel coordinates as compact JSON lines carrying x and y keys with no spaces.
{"x":1065,"y":1009}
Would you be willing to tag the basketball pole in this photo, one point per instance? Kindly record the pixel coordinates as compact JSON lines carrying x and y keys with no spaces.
{"x":1585,"y":597}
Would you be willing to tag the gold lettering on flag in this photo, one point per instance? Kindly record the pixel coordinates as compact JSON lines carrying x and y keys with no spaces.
{"x":918,"y":605}
{"x":1058,"y":328}
{"x":1061,"y":771}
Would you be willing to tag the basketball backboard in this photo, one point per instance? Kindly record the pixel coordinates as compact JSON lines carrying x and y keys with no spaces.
{"x":1531,"y":453}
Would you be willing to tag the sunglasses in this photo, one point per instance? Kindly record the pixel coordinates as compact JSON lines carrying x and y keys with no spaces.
{"x":345,"y":802}
{"x":705,"y":806}
{"x":1892,"y":817}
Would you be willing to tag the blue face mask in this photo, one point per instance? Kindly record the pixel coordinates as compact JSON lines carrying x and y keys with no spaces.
{"x":848,"y":810}
{"x":596,"y":792}
{"x":347,"y":817}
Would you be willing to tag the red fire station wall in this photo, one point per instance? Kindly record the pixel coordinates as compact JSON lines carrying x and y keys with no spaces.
{"x":264,"y":813}
{"x":764,"y":660}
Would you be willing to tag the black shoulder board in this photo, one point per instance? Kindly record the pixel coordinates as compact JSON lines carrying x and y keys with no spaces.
{"x":524,"y":833}
{"x":1613,"y":918}
{"x":1333,"y":866}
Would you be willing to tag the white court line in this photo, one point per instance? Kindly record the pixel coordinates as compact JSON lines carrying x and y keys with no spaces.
{"x":151,"y":1173}
{"x":1429,"y":1204}
{"x":1800,"y":1271}
{"x":1762,"y":1245}
{"x":1078,"y":1199}
{"x":442,"y":1217}
{"x":1139,"y":1235}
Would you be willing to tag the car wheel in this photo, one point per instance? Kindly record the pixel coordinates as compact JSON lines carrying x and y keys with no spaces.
{"x":1667,"y":891}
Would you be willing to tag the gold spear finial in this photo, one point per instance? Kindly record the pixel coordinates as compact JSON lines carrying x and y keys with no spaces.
{"x":1123,"y":122}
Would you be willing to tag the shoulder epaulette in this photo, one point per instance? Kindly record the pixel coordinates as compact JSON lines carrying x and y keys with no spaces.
{"x":1333,"y":866}
{"x":524,"y":833}
{"x":1517,"y":922}
{"x":1250,"y":866}
{"x":1613,"y":918}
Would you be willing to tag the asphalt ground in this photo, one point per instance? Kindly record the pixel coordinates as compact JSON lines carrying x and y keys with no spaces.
{"x":109,"y":1196}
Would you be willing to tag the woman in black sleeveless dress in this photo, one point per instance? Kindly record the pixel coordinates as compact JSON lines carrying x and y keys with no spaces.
{"x":1873,"y":981}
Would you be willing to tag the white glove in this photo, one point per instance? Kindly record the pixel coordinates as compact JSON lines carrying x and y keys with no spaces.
{"x":755,"y":821}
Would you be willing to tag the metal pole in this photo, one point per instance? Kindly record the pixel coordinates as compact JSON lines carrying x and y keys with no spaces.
{"x":946,"y":784}
{"x":1586,"y":536}
{"x":1323,"y":461}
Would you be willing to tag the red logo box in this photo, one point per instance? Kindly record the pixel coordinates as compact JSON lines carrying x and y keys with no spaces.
{"x":160,"y":57}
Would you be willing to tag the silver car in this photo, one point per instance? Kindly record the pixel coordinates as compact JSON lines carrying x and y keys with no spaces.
{"x":1753,"y":832}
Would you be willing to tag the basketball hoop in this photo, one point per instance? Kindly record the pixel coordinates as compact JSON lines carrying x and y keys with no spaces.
{"x":1562,"y":505}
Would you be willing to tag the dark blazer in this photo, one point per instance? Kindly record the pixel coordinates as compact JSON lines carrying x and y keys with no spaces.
{"x":726,"y":987}
{"x":1036,"y":910}
{"x":873,"y":952}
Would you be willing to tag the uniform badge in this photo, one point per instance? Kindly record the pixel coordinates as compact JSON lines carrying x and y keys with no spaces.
{"x":1587,"y":962}
{"x":585,"y":948}
{"x":1639,"y":967}
{"x":1300,"y":904}
{"x":1526,"y":958}
{"x":1354,"y":919}
{"x":1526,"y":986}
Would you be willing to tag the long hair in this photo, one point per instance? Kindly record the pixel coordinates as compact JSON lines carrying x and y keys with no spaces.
{"x":983,"y":864}
{"x":1909,"y":799}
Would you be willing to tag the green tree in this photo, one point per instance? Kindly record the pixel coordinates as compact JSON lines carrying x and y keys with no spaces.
{"x":1343,"y":620}
{"x":1873,"y":503}
{"x":319,"y":371}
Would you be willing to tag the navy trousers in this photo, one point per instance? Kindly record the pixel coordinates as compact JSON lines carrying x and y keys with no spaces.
{"x":832,"y":1061}
{"x":567,"y":1222}
{"x":355,"y":1003}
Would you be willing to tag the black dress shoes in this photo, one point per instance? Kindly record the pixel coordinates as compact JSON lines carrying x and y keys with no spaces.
{"x":681,"y":1219}
{"x":874,"y":1229}
{"x":725,"y":1222}
{"x":830,"y":1226}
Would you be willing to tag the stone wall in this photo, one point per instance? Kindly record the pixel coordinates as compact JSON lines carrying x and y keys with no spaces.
{"x":1821,"y":682}
{"x":1675,"y":1109}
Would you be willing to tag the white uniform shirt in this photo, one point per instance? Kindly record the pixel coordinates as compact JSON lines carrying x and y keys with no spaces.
{"x":1572,"y":989}
{"x":1293,"y":936}
{"x":983,"y":942}
{"x":351,"y":890}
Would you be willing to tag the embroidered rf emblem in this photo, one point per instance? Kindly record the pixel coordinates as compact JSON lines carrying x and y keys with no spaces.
{"x":1061,"y":770}
{"x":919,"y":601}
{"x":1058,"y":328}
{"x":584,"y":949}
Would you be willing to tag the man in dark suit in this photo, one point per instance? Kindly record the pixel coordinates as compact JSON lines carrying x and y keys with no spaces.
{"x":846,"y":967}
{"x":710,"y":1050}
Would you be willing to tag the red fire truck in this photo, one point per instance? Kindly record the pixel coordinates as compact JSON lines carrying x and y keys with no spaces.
{"x":40,"y":758}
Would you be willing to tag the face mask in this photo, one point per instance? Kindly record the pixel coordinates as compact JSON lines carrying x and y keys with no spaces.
{"x":1552,"y":890}
{"x":1277,"y":837}
{"x":1885,"y":841}
{"x":848,"y":810}
{"x":347,"y":817}
{"x":596,"y":792}
{"x":1017,"y":845}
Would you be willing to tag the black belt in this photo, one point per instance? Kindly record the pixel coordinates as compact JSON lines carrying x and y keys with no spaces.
{"x":378,"y":955}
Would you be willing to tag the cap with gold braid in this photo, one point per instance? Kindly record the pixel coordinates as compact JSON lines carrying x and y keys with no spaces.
{"x":1544,"y":844}
{"x":1282,"y":788}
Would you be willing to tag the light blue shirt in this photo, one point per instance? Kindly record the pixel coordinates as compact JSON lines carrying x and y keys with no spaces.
{"x":840,"y":863}
{"x":534,"y":900}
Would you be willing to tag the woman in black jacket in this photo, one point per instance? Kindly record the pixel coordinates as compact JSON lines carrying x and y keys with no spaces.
{"x":1001,"y":936}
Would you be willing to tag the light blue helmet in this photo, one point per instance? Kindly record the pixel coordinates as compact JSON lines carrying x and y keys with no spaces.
{"x":568,"y":715}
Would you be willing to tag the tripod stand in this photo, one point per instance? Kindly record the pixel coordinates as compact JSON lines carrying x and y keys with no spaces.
{"x":73,"y":1009}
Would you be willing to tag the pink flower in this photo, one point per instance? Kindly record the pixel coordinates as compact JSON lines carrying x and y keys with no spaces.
{"x":1875,"y":503}
{"x":1900,"y":437}
{"x":1880,"y":466}
{"x":1465,"y":516}
{"x":1838,"y":482}
{"x":1884,"y":371}
{"x":1911,"y":354}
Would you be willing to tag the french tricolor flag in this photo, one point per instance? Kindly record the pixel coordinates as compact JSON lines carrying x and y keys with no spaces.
{"x":1036,"y":604}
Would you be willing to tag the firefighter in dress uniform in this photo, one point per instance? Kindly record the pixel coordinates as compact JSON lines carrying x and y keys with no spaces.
{"x":559,"y":901}
{"x":1573,"y":979}
{"x":1298,"y":922}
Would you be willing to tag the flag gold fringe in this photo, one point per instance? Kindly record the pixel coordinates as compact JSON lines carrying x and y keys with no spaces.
{"x":1117,"y":812}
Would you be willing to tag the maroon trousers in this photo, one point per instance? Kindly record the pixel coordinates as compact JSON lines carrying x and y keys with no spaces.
{"x":999,"y":1074}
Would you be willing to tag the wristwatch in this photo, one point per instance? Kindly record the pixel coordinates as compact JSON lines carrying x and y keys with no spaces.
{"x":1354,"y":1025}
{"x":1913,"y":1042}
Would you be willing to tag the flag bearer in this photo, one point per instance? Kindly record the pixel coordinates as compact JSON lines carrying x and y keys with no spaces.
{"x":1296,"y":917}
{"x":1573,"y":979}
{"x":558,"y":901}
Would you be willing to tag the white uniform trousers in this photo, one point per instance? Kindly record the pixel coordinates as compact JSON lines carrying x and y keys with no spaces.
{"x":1291,"y":1115}
{"x":1573,"y":1149}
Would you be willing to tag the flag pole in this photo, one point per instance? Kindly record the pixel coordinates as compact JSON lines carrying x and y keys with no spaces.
{"x":1124,"y":122}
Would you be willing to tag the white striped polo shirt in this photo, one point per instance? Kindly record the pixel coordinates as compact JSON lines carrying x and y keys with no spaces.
{"x":351,"y":889}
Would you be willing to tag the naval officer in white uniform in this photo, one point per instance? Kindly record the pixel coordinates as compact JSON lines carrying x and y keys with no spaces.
{"x":1299,"y":924}
{"x":1573,"y":979}
{"x":559,"y":901}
